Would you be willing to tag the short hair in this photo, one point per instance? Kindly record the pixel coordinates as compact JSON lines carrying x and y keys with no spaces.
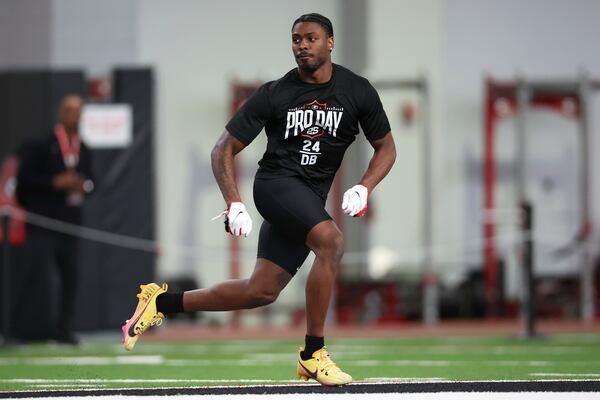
{"x":319,"y":19}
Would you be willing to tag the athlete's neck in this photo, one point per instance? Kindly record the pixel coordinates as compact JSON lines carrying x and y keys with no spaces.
{"x":321,"y":75}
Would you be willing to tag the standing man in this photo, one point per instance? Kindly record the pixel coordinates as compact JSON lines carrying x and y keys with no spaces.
{"x":54,"y":177}
{"x":311,"y":115}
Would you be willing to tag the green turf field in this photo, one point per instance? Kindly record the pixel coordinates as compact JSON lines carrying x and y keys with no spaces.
{"x":97,"y":364}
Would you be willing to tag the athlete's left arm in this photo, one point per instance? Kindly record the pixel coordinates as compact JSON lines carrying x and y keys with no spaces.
{"x":354,"y":200}
{"x":381,"y":163}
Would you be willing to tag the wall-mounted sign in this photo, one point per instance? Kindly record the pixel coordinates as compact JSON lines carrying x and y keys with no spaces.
{"x":105,"y":126}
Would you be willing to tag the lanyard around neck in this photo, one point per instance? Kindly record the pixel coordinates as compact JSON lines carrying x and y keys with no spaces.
{"x":69,"y":149}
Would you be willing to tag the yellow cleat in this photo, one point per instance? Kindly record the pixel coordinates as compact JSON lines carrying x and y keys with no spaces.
{"x":145,"y":315}
{"x":322,"y":369}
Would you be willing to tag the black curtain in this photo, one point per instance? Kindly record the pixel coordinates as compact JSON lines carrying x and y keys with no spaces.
{"x":123,"y":204}
{"x":29,"y":102}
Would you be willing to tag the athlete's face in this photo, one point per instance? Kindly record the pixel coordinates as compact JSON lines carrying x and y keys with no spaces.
{"x":311,"y":45}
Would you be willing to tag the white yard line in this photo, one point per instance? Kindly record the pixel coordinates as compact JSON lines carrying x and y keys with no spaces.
{"x":557,"y":374}
{"x":97,"y":380}
{"x":369,"y":381}
{"x":269,"y":360}
{"x":69,"y":385}
{"x":414,"y":396}
{"x":342,"y":350}
{"x":369,"y":396}
{"x":348,"y":396}
{"x":85,"y":360}
{"x":383,"y":379}
{"x":369,"y":363}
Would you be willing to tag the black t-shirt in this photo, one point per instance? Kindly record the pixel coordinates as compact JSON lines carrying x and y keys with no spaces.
{"x":309,"y":126}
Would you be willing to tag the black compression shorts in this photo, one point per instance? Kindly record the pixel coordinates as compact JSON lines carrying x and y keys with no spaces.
{"x":290,"y":210}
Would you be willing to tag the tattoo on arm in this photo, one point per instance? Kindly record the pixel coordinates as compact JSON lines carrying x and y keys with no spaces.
{"x":223,"y":167}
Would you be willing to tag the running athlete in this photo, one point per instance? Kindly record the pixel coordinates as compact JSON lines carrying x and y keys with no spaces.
{"x":311,"y":115}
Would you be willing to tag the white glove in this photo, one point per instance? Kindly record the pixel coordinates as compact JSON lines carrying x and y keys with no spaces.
{"x":354,"y":202}
{"x":237,"y":219}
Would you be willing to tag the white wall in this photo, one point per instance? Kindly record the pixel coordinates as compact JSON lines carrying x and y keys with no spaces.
{"x":456,"y":43}
{"x":24,"y":34}
{"x":550,"y":39}
{"x":5,"y":8}
{"x":404,"y":43}
{"x":94,"y":35}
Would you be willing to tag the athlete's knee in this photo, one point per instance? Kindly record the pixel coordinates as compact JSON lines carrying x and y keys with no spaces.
{"x":327,"y":241}
{"x":332,"y":248}
{"x":262,"y":296}
{"x":337,"y":247}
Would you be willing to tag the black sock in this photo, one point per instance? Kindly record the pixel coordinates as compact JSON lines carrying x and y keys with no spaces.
{"x":313,"y":343}
{"x":169,"y":303}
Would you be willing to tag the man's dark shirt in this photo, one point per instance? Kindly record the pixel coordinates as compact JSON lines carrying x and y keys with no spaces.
{"x":310,"y":126}
{"x":40,"y":160}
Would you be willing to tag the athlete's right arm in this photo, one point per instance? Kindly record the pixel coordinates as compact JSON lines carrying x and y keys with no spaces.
{"x":237,"y":219}
{"x":222,"y":165}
